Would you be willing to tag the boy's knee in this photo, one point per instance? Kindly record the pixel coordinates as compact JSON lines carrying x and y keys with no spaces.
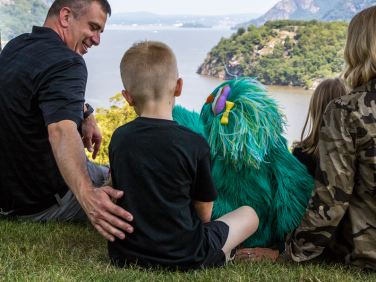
{"x":251,"y":215}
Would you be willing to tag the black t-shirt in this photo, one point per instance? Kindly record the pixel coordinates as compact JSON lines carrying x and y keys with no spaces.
{"x":42,"y":81}
{"x":306,"y":159}
{"x":161,"y":167}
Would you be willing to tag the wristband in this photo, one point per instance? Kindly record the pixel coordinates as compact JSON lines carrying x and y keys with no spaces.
{"x":89,"y":111}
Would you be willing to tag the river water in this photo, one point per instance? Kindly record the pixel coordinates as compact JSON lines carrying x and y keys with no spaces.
{"x":191,"y":47}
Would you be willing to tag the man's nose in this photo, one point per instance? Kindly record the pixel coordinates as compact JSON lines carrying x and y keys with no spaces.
{"x":96,"y":39}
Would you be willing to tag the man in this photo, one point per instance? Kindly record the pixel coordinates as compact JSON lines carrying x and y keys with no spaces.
{"x":42,"y":89}
{"x":340,"y":219}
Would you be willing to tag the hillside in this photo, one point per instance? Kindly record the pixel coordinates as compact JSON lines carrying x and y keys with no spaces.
{"x":18,"y":16}
{"x":283,"y":52}
{"x":322,"y":10}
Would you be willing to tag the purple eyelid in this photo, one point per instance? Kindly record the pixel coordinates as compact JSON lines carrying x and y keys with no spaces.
{"x":221,"y":103}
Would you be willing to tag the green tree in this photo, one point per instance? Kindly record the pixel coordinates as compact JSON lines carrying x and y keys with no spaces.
{"x":288,"y":42}
{"x":241,"y":31}
{"x":108,"y":120}
{"x":252,"y":28}
{"x":18,"y":16}
{"x":318,"y":53}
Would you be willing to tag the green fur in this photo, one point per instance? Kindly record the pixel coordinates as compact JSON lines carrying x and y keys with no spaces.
{"x":251,"y":162}
{"x":188,"y":119}
{"x":255,"y":124}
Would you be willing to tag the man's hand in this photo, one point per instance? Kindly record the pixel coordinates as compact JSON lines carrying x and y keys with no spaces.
{"x":70,"y":157}
{"x":91,"y":135}
{"x":257,"y":254}
{"x":103,"y":214}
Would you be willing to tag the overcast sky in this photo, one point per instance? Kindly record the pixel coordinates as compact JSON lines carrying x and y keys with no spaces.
{"x":195,"y":7}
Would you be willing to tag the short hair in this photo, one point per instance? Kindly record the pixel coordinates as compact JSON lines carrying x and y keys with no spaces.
{"x":78,"y":7}
{"x":360,"y":49}
{"x":149,"y":71}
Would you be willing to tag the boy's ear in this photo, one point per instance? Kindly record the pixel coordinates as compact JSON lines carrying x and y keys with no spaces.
{"x":179,"y":87}
{"x":128,"y":97}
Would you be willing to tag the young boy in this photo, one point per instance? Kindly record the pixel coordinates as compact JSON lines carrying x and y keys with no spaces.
{"x":164,"y":170}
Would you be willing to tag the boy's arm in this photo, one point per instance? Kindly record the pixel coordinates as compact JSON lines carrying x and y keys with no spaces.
{"x":204,"y":210}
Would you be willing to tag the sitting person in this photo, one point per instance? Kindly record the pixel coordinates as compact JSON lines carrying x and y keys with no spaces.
{"x":307,"y":150}
{"x":165,"y":171}
{"x":341,"y":216}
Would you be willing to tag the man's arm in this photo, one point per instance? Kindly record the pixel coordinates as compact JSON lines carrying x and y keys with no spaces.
{"x":204,"y":210}
{"x":70,"y":157}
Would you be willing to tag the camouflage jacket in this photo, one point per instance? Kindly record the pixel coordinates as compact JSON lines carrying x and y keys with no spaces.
{"x":341,"y":215}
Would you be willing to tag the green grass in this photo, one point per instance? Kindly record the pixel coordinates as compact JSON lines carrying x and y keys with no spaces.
{"x":76,"y":252}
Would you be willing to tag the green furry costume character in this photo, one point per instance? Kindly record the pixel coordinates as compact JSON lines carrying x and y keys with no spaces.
{"x":252,"y":165}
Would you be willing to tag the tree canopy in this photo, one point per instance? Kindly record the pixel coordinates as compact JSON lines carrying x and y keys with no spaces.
{"x":314,"y":52}
{"x":18,"y":16}
{"x":108,"y":120}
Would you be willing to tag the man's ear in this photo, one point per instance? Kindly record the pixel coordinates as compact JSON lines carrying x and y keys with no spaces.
{"x":66,"y":15}
{"x":179,"y":87}
{"x":128,"y":97}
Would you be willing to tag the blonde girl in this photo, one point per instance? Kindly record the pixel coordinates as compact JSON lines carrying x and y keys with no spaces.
{"x":307,"y":150}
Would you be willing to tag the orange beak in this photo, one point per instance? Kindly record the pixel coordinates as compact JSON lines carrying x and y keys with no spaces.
{"x":210,"y":99}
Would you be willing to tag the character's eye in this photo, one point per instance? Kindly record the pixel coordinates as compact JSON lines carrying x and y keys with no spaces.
{"x":219,"y":102}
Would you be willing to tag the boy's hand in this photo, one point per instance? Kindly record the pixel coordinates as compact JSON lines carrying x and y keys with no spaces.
{"x":104,"y":215}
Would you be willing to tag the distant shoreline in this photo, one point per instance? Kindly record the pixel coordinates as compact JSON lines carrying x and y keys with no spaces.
{"x":313,"y":88}
{"x":157,"y":27}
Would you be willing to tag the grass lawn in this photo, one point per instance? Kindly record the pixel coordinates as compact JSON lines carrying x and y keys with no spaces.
{"x":76,"y":252}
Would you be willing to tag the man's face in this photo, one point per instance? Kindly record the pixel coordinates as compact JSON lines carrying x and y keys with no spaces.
{"x":84,"y":32}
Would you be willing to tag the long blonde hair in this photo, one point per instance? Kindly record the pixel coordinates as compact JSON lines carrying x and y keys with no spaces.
{"x":360,"y":49}
{"x":325,"y":92}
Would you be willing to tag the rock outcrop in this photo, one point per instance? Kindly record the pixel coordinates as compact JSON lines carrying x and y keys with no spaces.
{"x":329,"y":10}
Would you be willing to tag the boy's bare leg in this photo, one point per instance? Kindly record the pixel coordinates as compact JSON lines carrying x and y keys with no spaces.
{"x":243,"y":222}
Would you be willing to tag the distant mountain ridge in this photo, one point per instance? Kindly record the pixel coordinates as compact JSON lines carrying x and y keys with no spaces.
{"x":18,"y":16}
{"x":322,"y":10}
{"x":146,"y":18}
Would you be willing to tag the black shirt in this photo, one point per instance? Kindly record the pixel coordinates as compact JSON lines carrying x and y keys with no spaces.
{"x":42,"y":81}
{"x":161,"y":167}
{"x":306,"y":159}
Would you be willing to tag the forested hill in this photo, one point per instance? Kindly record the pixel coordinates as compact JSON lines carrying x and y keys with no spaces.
{"x":18,"y":16}
{"x":285,"y":52}
{"x":322,"y":10}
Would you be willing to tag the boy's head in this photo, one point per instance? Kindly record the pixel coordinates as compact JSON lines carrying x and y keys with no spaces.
{"x":149,"y":72}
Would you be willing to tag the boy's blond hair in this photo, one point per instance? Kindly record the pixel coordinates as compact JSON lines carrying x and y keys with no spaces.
{"x":149,"y":71}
